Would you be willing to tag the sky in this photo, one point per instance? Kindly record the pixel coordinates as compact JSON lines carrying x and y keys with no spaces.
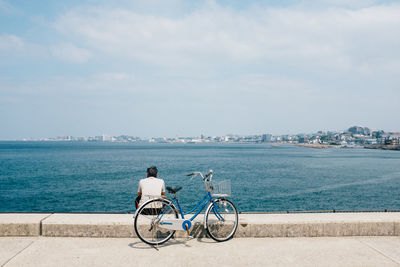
{"x":185,"y":68}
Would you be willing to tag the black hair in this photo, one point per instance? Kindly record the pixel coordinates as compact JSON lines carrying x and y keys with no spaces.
{"x":152,"y":171}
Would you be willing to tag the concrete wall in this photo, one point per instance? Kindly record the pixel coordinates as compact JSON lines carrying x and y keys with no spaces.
{"x":21,"y":224}
{"x":250,"y":225}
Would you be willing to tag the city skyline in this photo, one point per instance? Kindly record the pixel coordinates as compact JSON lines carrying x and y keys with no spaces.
{"x":206,"y":134}
{"x":366,"y":131}
{"x":181,"y":68}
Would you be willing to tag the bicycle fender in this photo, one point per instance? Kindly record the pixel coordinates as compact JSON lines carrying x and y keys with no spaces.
{"x":205,"y":214}
{"x":208,"y":208}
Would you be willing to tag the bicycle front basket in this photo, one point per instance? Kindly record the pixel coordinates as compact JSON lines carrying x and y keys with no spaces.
{"x":221,"y":189}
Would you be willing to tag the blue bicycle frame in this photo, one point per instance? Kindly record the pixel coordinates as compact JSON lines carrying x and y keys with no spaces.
{"x":200,"y":206}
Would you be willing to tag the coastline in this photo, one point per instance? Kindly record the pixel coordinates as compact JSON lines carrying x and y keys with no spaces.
{"x":318,"y":146}
{"x":324,"y":146}
{"x":383,"y":147}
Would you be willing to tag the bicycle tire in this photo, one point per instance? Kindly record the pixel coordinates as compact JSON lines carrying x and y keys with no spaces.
{"x":217,"y":229}
{"x":153,"y":234}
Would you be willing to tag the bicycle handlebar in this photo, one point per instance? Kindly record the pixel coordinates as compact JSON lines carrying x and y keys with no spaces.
{"x":194,"y":174}
{"x":210,"y":173}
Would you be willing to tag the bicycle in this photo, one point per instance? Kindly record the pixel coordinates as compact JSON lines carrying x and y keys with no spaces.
{"x":157,"y":219}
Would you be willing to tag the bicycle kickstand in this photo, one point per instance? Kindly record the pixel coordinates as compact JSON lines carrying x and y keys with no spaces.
{"x":189,"y":236}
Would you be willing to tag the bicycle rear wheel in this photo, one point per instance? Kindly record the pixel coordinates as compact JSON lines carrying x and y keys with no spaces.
{"x":147,"y":226}
{"x":221,"y":220}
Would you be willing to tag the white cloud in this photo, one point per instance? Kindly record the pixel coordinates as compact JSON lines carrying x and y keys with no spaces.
{"x":337,"y":38}
{"x":11,"y":43}
{"x":355,"y":4}
{"x":14,"y":47}
{"x":96,"y":84}
{"x":262,"y":68}
{"x":70,"y":53}
{"x":6,"y":7}
{"x":114,"y":76}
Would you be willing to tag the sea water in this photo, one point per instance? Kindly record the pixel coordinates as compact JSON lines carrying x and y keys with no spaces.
{"x":103,"y":177}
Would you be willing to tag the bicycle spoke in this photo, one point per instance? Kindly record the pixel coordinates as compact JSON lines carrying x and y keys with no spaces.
{"x":221,"y":220}
{"x":147,"y":221}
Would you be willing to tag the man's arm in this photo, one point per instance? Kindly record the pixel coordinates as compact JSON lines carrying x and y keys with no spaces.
{"x":139,"y":191}
{"x":163,"y":189}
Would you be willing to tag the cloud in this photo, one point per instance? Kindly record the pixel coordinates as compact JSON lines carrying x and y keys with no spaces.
{"x":262,"y":68}
{"x":13,"y":47}
{"x":353,"y":4}
{"x":339,"y":39}
{"x":113,"y":76}
{"x":6,"y":7}
{"x":103,"y":83}
{"x":11,"y":43}
{"x":17,"y":46}
{"x":70,"y":53}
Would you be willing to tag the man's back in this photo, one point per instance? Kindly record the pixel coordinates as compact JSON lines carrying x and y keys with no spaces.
{"x":149,"y":188}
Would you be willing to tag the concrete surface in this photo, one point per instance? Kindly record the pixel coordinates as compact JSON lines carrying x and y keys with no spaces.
{"x":320,"y":224}
{"x":89,"y":225}
{"x":10,"y":247}
{"x":21,"y":224}
{"x":250,"y":225}
{"x":303,"y":251}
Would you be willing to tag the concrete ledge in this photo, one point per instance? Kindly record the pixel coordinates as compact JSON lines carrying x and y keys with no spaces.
{"x":100,"y":225}
{"x":250,"y":225}
{"x":89,"y":225}
{"x":21,"y":224}
{"x":320,"y":224}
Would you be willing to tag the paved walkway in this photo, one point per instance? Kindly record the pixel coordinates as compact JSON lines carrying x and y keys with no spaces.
{"x":303,"y":251}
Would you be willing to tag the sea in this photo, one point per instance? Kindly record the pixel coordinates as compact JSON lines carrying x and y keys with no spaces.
{"x":104,"y":177}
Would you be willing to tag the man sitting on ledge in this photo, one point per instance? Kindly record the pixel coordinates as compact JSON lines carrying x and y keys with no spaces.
{"x":149,"y":188}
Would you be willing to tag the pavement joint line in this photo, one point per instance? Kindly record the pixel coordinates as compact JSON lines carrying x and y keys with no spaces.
{"x":41,"y":225}
{"x":19,"y":252}
{"x":377,"y":250}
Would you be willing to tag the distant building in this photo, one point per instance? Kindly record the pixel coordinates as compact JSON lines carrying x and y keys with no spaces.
{"x":266,"y":138}
{"x":359,"y":130}
{"x":105,"y":138}
{"x":370,"y":141}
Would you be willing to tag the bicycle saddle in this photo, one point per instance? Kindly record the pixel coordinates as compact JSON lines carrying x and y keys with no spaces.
{"x":173,"y":190}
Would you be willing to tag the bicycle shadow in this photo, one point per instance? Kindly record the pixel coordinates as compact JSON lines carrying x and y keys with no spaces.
{"x":197,"y":233}
{"x":171,"y":242}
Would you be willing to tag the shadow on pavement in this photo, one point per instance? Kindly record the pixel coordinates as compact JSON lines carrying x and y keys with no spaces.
{"x":171,"y":242}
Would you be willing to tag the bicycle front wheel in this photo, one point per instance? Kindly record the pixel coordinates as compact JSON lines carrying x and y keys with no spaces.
{"x":147,"y":226}
{"x":221,"y":220}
